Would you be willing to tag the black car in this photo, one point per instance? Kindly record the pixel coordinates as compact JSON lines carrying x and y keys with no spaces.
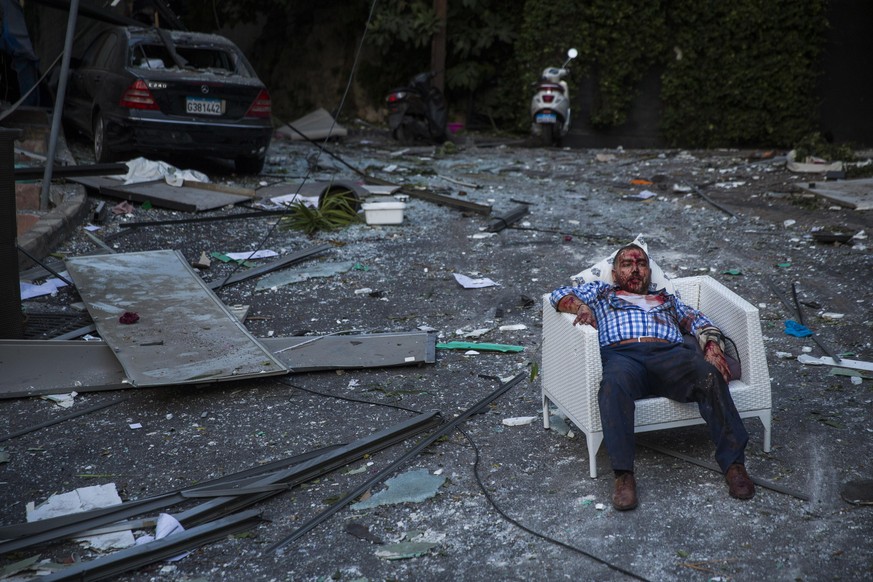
{"x":159,"y":92}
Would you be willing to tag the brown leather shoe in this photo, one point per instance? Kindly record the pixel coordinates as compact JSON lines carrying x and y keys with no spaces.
{"x":739,"y":483}
{"x":625,"y":496}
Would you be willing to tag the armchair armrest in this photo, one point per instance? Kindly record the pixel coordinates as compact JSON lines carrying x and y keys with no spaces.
{"x":571,"y":367}
{"x":737,"y":318}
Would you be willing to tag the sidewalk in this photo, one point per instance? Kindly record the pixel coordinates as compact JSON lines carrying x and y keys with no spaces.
{"x":41,"y":231}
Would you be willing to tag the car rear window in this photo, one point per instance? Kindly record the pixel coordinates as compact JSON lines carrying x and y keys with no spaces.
{"x":156,"y":56}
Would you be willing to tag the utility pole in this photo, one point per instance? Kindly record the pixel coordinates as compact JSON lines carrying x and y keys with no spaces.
{"x":438,"y":46}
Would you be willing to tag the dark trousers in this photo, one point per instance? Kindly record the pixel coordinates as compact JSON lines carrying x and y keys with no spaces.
{"x":678,"y":372}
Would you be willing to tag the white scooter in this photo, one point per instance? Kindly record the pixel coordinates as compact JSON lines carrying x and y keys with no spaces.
{"x":550,"y":106}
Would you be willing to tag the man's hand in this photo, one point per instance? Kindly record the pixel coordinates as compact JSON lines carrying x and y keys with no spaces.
{"x":585,"y":315}
{"x":572,"y":304}
{"x":712,"y":353}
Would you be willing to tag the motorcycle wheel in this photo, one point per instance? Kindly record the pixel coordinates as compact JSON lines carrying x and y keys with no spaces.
{"x":548,"y":134}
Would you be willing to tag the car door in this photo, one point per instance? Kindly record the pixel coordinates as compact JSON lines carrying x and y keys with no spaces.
{"x":89,"y":83}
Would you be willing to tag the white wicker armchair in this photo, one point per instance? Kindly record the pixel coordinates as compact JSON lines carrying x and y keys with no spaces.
{"x":571,"y":367}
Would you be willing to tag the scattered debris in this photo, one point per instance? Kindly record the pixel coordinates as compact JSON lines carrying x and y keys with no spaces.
{"x":519,"y":420}
{"x":513,"y":327}
{"x":478,"y":346}
{"x":62,"y":400}
{"x":471,"y":283}
{"x":83,"y":499}
{"x":290,"y":276}
{"x":410,"y":487}
{"x":509,"y":219}
{"x":49,"y":287}
{"x":166,"y":525}
{"x":378,"y":213}
{"x":203,"y":262}
{"x":362,"y":532}
{"x":316,"y":125}
{"x":252,"y":255}
{"x":797,"y":330}
{"x":852,"y":194}
{"x":141,"y":170}
{"x":644,"y":195}
{"x":829,"y":361}
{"x":404,"y":550}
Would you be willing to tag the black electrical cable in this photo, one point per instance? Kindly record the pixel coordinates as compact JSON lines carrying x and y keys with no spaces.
{"x":524,"y":528}
{"x":346,"y":398}
{"x":61,"y":419}
{"x":44,"y":266}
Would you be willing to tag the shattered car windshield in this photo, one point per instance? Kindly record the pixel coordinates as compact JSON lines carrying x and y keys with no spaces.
{"x":156,"y":56}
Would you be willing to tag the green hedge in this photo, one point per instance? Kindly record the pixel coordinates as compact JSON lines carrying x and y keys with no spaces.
{"x":736,"y":73}
{"x":742,"y":72}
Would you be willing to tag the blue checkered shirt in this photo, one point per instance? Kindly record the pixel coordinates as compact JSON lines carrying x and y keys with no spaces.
{"x":619,"y":320}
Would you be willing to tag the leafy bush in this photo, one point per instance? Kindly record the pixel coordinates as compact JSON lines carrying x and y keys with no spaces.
{"x":336,"y":210}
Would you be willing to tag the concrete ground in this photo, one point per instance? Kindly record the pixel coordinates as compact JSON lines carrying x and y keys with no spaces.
{"x":510,"y":502}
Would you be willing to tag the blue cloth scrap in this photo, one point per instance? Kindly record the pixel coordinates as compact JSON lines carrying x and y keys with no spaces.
{"x":797,"y":330}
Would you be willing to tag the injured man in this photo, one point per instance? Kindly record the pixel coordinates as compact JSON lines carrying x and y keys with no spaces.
{"x":640,"y":330}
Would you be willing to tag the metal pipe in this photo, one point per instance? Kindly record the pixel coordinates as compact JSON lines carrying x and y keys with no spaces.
{"x":59,"y":105}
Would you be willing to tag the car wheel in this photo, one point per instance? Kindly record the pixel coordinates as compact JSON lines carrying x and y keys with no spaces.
{"x":249,"y":164}
{"x":102,"y":155}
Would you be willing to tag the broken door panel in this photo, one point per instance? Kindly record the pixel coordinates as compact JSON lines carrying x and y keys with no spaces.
{"x":91,"y":367}
{"x":184,"y":334}
{"x":186,"y":198}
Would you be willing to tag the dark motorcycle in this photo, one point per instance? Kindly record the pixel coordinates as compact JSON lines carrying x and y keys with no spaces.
{"x":417,"y":111}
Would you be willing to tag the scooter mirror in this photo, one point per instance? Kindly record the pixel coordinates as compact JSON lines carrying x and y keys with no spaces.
{"x":572,"y":53}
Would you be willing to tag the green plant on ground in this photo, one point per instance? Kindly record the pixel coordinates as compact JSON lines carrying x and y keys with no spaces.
{"x":336,"y":210}
{"x":815,"y":145}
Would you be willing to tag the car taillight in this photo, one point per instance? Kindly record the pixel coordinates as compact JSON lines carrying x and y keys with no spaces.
{"x":398,"y":96}
{"x":262,"y":106}
{"x":138,"y":96}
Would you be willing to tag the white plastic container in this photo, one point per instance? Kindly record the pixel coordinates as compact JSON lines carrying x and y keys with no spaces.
{"x":383,"y":212}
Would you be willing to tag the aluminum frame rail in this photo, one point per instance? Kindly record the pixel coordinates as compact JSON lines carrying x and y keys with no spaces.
{"x":142,"y":555}
{"x":25,"y":535}
{"x":360,"y":490}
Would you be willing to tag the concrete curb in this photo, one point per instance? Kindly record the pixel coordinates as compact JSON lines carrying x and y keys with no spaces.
{"x":53,"y":228}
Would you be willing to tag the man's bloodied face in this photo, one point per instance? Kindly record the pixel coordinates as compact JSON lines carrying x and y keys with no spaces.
{"x":631,"y":272}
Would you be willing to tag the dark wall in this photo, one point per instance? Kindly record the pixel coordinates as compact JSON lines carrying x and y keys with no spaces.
{"x":846,"y":87}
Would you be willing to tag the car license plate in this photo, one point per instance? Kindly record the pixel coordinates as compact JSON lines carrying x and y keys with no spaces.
{"x":547,"y":118}
{"x":202,"y":106}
